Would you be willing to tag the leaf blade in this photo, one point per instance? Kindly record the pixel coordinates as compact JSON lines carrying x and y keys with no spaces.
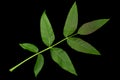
{"x":91,"y":26}
{"x":47,"y":33}
{"x":82,"y":46}
{"x":71,"y":21}
{"x":62,"y":59}
{"x":38,"y":65}
{"x":30,"y":47}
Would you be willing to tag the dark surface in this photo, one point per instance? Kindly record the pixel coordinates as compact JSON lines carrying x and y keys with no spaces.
{"x":21,"y":24}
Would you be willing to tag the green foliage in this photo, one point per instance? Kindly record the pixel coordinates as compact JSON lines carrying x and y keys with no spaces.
{"x":62,"y":59}
{"x":30,"y":47}
{"x":82,"y":46}
{"x":39,"y":64}
{"x":59,"y":55}
{"x":47,"y":33}
{"x":71,"y":21}
{"x":92,"y":26}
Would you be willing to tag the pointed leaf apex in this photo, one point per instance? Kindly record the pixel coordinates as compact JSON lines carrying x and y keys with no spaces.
{"x":44,"y":12}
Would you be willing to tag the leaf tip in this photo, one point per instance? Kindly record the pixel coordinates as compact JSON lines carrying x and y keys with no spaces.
{"x":20,"y":44}
{"x":107,"y":19}
{"x":35,"y":75}
{"x":97,"y":53}
{"x":75,"y":74}
{"x":74,"y":3}
{"x":44,"y":12}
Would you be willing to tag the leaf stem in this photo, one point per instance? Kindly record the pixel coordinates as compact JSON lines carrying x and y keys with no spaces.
{"x":13,"y":68}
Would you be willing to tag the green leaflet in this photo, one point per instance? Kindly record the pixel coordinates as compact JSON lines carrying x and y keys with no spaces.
{"x":71,"y":21}
{"x":92,"y":26}
{"x":82,"y":46}
{"x":47,"y":33}
{"x":30,"y":47}
{"x":39,"y":64}
{"x":62,"y":59}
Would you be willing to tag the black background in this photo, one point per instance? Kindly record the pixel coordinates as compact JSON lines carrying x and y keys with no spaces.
{"x":20,"y":23}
